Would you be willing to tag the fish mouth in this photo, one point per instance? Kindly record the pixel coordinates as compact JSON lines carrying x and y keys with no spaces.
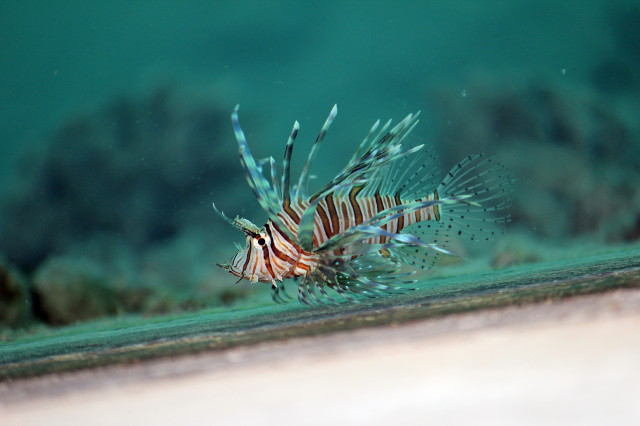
{"x":228,"y":268}
{"x":224,"y":266}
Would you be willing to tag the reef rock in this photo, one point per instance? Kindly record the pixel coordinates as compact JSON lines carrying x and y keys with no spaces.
{"x":15,"y":300}
{"x":68,"y":290}
{"x":574,"y":151}
{"x":141,"y":170}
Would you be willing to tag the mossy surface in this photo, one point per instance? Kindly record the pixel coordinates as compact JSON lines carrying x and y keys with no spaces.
{"x":136,"y":339}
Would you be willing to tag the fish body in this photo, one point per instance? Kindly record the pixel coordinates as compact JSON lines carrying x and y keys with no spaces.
{"x":387,"y":214}
{"x":283,"y":258}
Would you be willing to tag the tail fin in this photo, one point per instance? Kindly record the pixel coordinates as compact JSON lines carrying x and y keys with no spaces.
{"x":484,"y":214}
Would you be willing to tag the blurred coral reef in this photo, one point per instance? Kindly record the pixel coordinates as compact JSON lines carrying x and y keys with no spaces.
{"x":574,"y":150}
{"x":15,"y":300}
{"x":114,"y":214}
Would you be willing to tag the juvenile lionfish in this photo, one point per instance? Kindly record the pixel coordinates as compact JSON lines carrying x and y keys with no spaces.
{"x":385,"y":215}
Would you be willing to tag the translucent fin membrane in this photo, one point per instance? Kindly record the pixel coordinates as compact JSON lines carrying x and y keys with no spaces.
{"x":371,"y":275}
{"x":279,"y":293}
{"x":424,"y":258}
{"x":489,"y":186}
{"x":486,"y":186}
{"x":412,"y":176}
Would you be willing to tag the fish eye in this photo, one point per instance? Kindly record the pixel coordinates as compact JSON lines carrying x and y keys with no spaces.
{"x":260,"y":241}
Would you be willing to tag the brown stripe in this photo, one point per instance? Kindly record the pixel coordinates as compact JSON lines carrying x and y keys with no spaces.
{"x":324,"y":219}
{"x":303,"y":266}
{"x":267,"y":261}
{"x":401,"y":218}
{"x":275,"y":250}
{"x":296,"y":219}
{"x":288,"y":222}
{"x":287,"y":239}
{"x":333,"y":215}
{"x":235,"y":259}
{"x":283,"y":235}
{"x":345,"y":213}
{"x":292,"y":213}
{"x":379,"y":207}
{"x":354,"y":204}
{"x":418,"y":213}
{"x":246,"y":263}
{"x":436,"y":210}
{"x":253,"y":268}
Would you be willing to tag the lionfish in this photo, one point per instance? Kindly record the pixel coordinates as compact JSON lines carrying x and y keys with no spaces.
{"x":384,"y":216}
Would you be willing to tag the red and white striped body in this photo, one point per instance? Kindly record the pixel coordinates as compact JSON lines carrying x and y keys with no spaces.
{"x":278,"y":257}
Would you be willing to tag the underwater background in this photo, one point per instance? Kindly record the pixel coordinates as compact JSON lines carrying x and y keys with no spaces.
{"x":115,"y":135}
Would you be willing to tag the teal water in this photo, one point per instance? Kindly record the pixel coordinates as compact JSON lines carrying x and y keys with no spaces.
{"x":115,"y":132}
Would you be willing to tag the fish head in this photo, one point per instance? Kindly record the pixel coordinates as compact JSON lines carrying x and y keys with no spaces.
{"x":249,"y":261}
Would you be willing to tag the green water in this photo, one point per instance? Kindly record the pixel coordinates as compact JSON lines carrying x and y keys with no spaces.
{"x":115,"y":136}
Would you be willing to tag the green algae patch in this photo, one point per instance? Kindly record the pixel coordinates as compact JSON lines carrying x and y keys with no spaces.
{"x":139,"y":339}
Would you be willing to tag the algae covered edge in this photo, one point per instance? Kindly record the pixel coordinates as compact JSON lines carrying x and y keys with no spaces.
{"x":219,"y":330}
